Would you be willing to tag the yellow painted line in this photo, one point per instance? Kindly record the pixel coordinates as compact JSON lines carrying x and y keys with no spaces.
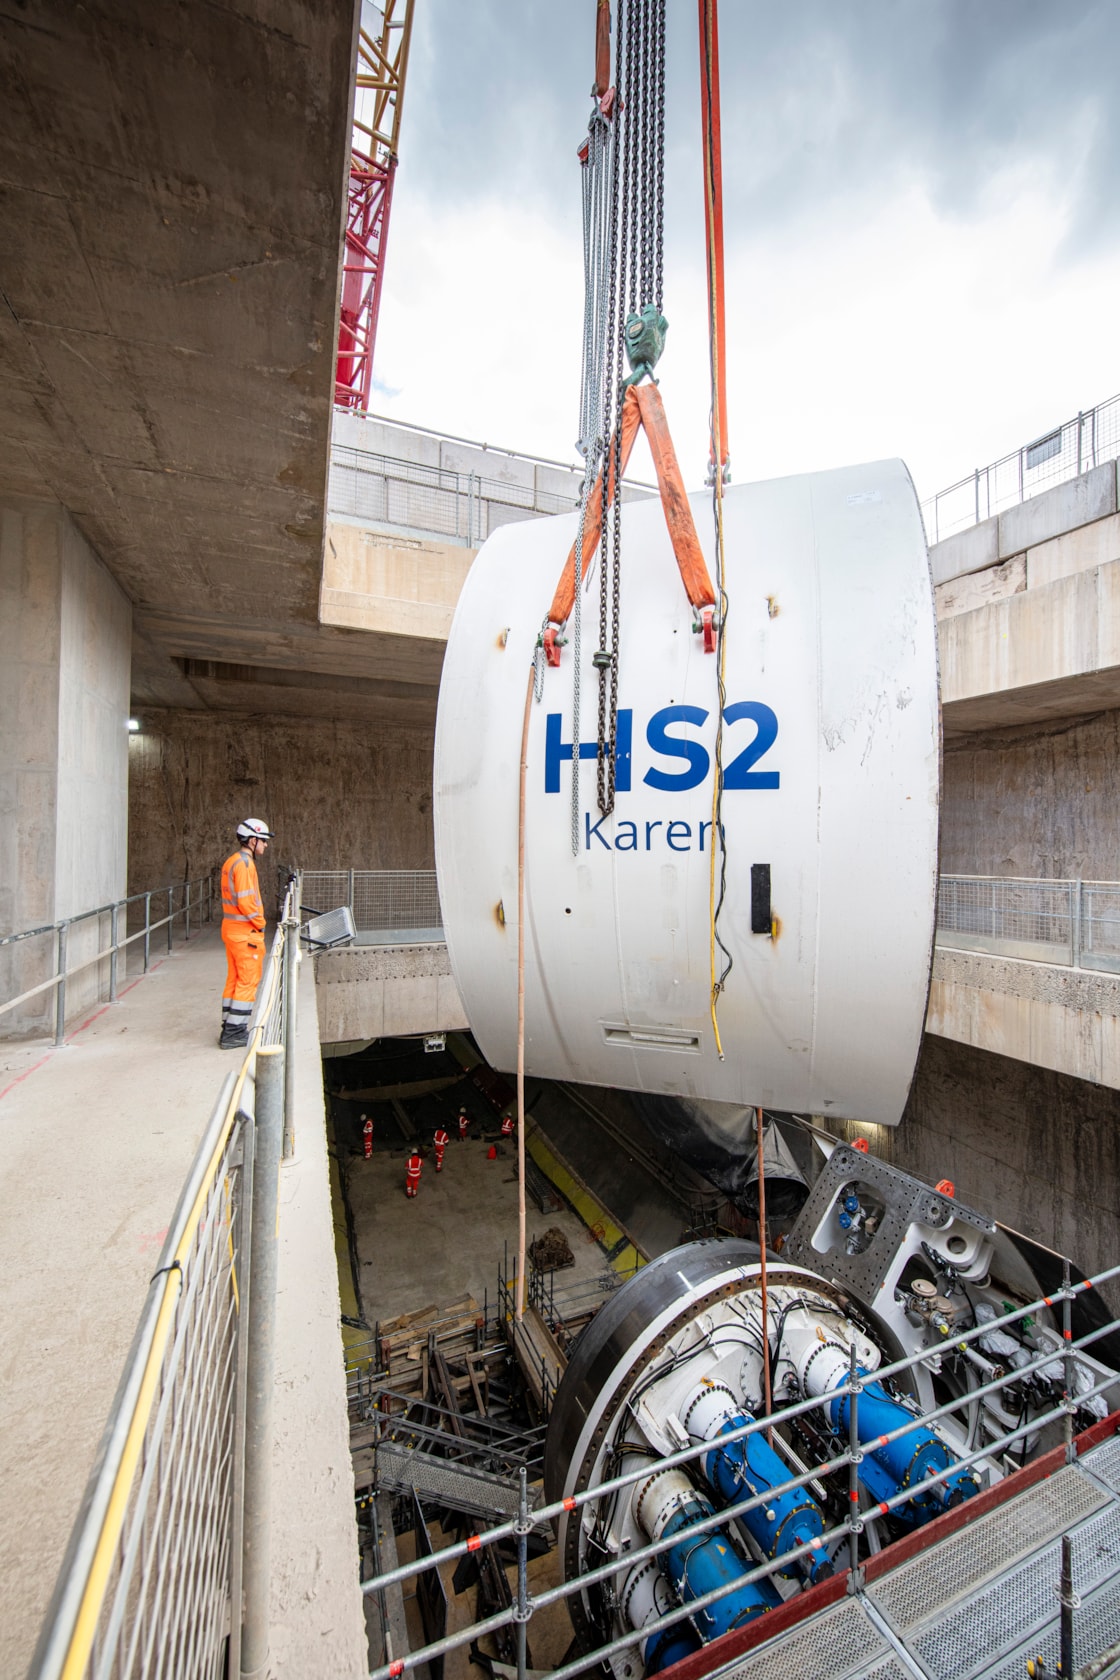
{"x":589,"y":1208}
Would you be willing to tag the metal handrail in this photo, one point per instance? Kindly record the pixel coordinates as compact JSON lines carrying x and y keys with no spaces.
{"x":61,"y":930}
{"x":1026,"y":472}
{"x":1071,"y":923}
{"x":123,"y":1466}
{"x":522,"y":1610}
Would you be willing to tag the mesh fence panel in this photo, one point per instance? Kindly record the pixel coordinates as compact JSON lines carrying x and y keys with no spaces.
{"x":383,"y":900}
{"x":387,"y":490}
{"x":985,"y":913}
{"x":165,"y":1611}
{"x":1070,"y":449}
{"x":1100,"y":924}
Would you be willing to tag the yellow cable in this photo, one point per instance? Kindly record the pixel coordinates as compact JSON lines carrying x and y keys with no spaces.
{"x":717,"y":469}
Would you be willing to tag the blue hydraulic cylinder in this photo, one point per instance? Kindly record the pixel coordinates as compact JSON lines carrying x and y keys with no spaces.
{"x":788,"y":1520}
{"x":706,"y":1561}
{"x":888,"y":1468}
{"x":671,"y":1645}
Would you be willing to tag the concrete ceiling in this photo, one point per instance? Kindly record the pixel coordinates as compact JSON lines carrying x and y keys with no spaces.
{"x":172,"y":183}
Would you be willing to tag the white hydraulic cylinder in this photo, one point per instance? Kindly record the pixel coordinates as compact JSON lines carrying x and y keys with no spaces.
{"x":830,"y":755}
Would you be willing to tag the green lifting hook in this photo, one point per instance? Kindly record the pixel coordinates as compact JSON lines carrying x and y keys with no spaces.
{"x":644,"y":339}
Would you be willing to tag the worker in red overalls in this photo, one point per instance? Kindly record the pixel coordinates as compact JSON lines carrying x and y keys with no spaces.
{"x":367,"y":1136}
{"x":440,"y":1141}
{"x":464,"y":1122}
{"x":412,"y":1173}
{"x":507,"y":1125}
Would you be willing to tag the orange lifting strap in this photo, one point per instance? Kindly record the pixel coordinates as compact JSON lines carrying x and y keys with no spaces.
{"x":642,"y":406}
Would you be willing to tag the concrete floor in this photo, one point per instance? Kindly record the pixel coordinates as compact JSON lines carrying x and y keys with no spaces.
{"x":97,"y":1140}
{"x":453,"y":1236}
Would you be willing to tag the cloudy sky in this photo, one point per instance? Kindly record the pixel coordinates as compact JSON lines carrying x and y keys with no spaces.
{"x":921,"y":212}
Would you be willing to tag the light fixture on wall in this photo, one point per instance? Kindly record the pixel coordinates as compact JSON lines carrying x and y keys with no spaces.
{"x":134,"y":726}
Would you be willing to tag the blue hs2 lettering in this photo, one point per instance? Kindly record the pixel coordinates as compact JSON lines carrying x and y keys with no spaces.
{"x":739,"y":772}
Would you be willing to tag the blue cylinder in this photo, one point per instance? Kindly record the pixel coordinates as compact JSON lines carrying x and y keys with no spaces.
{"x":888,"y":1469}
{"x":790,"y":1519}
{"x":708,"y":1561}
{"x":671,"y":1645}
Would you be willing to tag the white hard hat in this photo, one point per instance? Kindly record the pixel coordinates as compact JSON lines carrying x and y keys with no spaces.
{"x":254,"y":828}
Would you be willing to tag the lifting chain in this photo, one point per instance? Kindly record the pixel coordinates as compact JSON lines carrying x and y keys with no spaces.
{"x":636,"y":241}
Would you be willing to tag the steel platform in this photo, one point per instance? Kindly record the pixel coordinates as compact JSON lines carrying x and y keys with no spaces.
{"x":979,"y":1602}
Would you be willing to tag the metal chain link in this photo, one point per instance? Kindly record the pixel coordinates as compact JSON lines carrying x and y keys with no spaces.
{"x":637,"y":241}
{"x":659,"y":150}
{"x":598,"y":254}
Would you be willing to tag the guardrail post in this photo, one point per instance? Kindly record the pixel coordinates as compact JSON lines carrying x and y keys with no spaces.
{"x":170,"y":918}
{"x":522,"y":1613}
{"x":291,"y":957}
{"x":147,"y":930}
{"x":1077,"y":894}
{"x":261,"y":1331}
{"x":1068,"y":1369}
{"x":112,"y":953}
{"x":237,"y":1492}
{"x":350,"y":899}
{"x":187,"y":923}
{"x":60,"y":989}
{"x":854,"y":1456}
{"x":1068,"y":1602}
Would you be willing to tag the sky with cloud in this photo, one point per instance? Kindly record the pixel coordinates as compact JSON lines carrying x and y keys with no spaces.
{"x":922,"y":228}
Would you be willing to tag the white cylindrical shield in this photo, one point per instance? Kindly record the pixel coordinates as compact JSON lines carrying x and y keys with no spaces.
{"x":829,"y":805}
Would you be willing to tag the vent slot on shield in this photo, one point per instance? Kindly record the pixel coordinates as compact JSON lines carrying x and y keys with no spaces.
{"x":650,"y":1038}
{"x":761,"y":915}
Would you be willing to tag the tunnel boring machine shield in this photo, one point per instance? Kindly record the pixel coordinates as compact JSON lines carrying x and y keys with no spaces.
{"x":831,"y":766}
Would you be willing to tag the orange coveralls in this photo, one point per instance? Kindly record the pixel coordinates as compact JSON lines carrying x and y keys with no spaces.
{"x":243,"y":937}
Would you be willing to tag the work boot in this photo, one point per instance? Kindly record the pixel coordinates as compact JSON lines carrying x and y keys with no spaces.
{"x":233,"y":1038}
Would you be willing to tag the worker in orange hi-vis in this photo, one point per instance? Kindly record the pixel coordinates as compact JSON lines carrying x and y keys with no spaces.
{"x":464,"y":1122}
{"x":440,"y":1141}
{"x":242,"y":931}
{"x":367,"y":1136}
{"x":507,"y":1125}
{"x":412,"y":1173}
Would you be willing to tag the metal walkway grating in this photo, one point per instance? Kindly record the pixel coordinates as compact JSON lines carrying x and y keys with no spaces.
{"x":917,"y":1591}
{"x":1103,"y":1462}
{"x":977,"y":1605}
{"x":840,"y":1643}
{"x":1008,"y":1610}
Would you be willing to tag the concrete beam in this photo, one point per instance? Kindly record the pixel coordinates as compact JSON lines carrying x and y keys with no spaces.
{"x":1077,"y":502}
{"x":393,"y":585}
{"x":1043,"y":652}
{"x":173,"y":181}
{"x":386,"y":991}
{"x":1064,"y":1019}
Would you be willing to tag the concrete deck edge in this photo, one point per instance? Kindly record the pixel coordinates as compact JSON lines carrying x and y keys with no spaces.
{"x":317,"y":1617}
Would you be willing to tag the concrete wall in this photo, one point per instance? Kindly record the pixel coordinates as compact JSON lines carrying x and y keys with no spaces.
{"x":1038,"y":1150}
{"x":65,"y":640}
{"x":338,"y":795}
{"x":1040,"y":800}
